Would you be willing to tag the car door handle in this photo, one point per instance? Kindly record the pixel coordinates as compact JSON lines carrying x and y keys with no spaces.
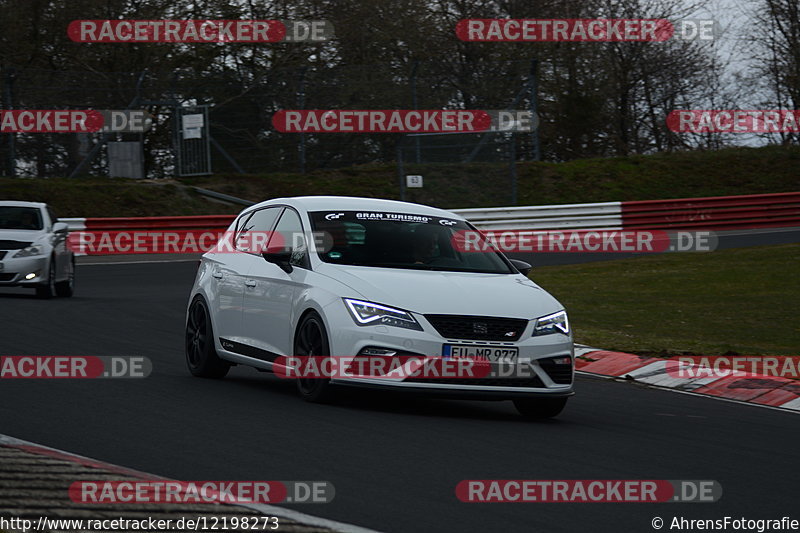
{"x":250,"y":283}
{"x":217,"y":275}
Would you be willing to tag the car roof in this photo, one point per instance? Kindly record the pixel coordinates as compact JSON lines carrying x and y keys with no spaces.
{"x":11,"y":203}
{"x":354,"y":203}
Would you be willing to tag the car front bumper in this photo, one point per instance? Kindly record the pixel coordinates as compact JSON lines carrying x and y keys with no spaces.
{"x":15,"y":271}
{"x":348,"y":339}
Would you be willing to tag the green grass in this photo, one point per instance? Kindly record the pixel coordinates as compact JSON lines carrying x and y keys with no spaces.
{"x":652,"y":177}
{"x":742,"y":301}
{"x":675,"y":175}
{"x":102,"y":197}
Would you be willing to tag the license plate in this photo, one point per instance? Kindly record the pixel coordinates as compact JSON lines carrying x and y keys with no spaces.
{"x":476,"y":351}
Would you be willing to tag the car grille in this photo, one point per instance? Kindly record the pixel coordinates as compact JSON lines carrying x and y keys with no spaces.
{"x":13,"y":245}
{"x":7,"y":277}
{"x":561,"y":374}
{"x":479,"y":328}
{"x":482,"y":382}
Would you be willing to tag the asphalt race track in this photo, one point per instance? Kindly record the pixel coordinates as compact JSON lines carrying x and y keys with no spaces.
{"x":394,"y":460}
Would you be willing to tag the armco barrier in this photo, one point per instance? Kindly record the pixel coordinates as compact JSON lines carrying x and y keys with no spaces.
{"x":144,"y":233}
{"x":202,"y":222}
{"x":605,"y":215}
{"x":714,"y":213}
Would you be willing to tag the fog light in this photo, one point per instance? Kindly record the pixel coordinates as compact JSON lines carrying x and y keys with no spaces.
{"x":377,"y":351}
{"x":31,"y":275}
{"x":562,"y":360}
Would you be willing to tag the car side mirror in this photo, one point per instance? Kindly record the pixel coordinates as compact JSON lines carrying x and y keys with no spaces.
{"x":60,"y":227}
{"x":280,"y":257}
{"x":523,"y":267}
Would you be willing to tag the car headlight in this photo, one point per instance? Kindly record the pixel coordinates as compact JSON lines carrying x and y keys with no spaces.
{"x":555,"y":323}
{"x":30,"y":251}
{"x":368,"y":314}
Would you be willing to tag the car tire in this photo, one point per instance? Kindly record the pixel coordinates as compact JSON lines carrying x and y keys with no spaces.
{"x":66,"y":288}
{"x":201,"y":353}
{"x":311,"y":339}
{"x":48,"y":289}
{"x":540,"y":408}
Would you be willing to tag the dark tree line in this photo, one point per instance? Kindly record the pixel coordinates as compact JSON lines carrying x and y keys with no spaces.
{"x":595,"y":99}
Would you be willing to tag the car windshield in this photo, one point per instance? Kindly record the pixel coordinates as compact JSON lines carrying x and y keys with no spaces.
{"x":402,"y":240}
{"x":20,"y":218}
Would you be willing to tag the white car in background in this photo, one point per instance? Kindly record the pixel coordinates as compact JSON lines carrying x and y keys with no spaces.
{"x":34,"y":251}
{"x":363,"y":277}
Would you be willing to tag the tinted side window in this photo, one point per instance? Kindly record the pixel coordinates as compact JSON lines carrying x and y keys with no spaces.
{"x":290,"y":230}
{"x":252,"y":233}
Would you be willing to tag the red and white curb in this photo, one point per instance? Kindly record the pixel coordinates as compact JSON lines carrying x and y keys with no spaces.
{"x":266,"y":509}
{"x":764,"y":391}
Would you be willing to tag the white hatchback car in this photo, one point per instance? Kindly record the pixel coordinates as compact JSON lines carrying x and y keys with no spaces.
{"x":338,"y":276}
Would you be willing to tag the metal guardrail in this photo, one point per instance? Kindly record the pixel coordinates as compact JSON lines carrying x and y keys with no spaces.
{"x":224,"y":197}
{"x":200,"y":222}
{"x":713,"y":213}
{"x":604,"y":215}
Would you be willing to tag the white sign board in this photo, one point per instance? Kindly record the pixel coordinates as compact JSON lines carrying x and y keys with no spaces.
{"x":192,"y":121}
{"x":414,"y":181}
{"x":192,"y":133}
{"x":192,"y":126}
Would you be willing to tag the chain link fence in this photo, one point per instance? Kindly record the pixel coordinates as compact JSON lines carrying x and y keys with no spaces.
{"x":236,"y":134}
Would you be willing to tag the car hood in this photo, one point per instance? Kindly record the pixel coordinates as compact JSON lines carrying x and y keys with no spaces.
{"x":454,"y":293}
{"x":20,"y":235}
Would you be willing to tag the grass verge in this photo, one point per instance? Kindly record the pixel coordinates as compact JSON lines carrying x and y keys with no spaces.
{"x":726,"y":172}
{"x":743,"y":301}
{"x":731,"y":171}
{"x":103,"y":197}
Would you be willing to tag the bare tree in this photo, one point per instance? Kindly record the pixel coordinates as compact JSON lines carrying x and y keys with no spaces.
{"x":775,"y":36}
